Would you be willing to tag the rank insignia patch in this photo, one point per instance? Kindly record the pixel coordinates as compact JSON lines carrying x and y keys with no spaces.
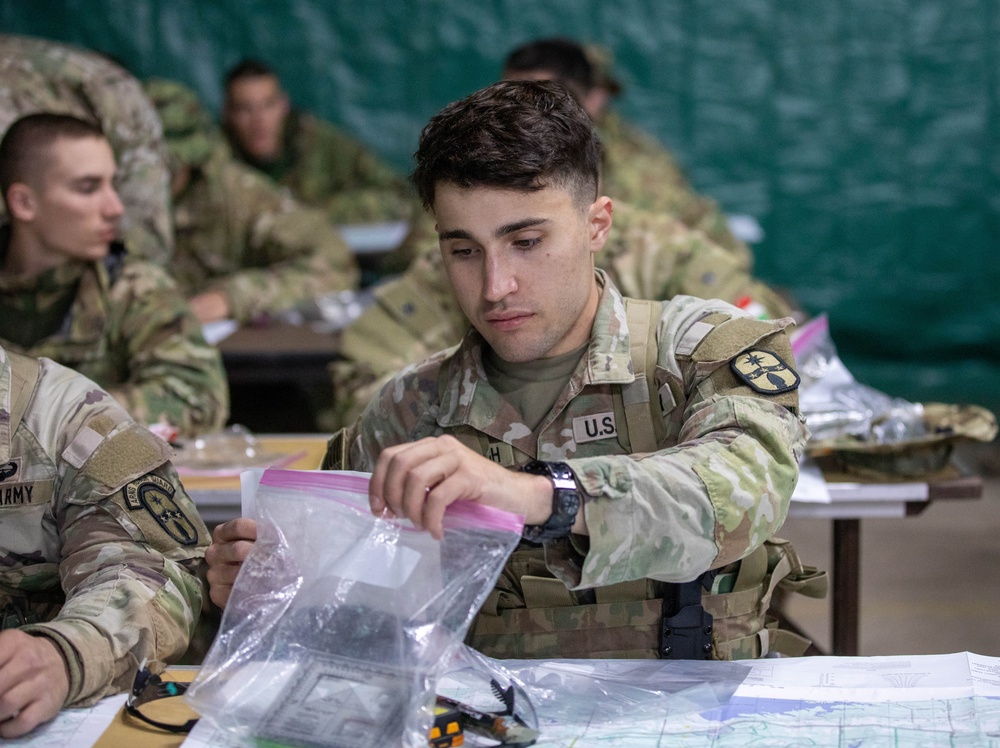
{"x":764,"y":372}
{"x":156,"y":496}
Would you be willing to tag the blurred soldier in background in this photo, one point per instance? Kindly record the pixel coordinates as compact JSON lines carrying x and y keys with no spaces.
{"x":635,"y":167}
{"x":40,"y":75}
{"x":69,"y":292}
{"x":244,"y":247}
{"x":321,"y":165}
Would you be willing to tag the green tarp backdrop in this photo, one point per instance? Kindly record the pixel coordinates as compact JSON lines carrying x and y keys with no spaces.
{"x":862,"y":134}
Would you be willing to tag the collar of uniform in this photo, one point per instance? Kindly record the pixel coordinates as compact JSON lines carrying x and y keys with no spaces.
{"x":474,"y":402}
{"x":608,"y":358}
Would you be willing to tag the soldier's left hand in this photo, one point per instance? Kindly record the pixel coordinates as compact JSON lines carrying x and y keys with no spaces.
{"x":33,"y":682}
{"x":418,"y":481}
{"x":209,"y":306}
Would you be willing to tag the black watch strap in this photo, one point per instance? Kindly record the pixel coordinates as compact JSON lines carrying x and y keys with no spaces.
{"x":565,"y":500}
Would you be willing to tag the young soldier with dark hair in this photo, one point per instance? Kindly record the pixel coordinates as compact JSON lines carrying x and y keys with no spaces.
{"x":650,"y":446}
{"x":69,"y":292}
{"x":43,"y":75}
{"x":245,"y":248}
{"x":321,"y":165}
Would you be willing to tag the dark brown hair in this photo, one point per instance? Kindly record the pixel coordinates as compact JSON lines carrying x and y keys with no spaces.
{"x":247,"y":68}
{"x":24,"y":148}
{"x":563,"y":58}
{"x":512,"y":135}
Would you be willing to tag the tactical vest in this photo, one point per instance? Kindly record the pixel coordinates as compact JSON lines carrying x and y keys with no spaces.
{"x":721,"y":615}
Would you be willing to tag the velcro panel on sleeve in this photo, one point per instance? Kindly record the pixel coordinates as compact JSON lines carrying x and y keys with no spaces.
{"x":773,"y":346}
{"x":732,"y":337}
{"x":124,"y":456}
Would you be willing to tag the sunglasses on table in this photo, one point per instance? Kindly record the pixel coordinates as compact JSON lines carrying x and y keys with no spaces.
{"x":148,"y":687}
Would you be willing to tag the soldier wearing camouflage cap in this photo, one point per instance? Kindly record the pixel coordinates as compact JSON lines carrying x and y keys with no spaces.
{"x":650,"y":446}
{"x":71,"y":293}
{"x":244,"y":247}
{"x":101,"y":550}
{"x":636,"y":168}
{"x":648,"y":255}
{"x":41,"y":75}
{"x":322,"y":166}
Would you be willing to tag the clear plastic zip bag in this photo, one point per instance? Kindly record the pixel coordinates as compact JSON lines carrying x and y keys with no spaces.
{"x":338,"y":619}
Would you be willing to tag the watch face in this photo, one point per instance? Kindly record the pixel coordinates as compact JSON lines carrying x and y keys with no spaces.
{"x":565,"y":500}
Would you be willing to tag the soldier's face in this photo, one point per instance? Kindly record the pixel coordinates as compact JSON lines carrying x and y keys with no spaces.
{"x":256,"y":109}
{"x":75,"y":209}
{"x":522,"y":265}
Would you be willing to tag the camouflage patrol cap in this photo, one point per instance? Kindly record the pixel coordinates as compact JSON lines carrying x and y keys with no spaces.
{"x":946,"y":425}
{"x":602,"y":60}
{"x":189,"y":131}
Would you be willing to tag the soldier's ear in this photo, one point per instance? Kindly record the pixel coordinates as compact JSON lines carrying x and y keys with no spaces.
{"x":599,"y":222}
{"x":22,"y":201}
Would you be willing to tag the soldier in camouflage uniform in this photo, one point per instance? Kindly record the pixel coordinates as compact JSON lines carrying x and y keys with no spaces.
{"x":70,"y":293}
{"x":40,"y":75}
{"x":636,"y":168}
{"x":101,"y":550}
{"x":321,"y":165}
{"x":650,"y":446}
{"x":647,"y":255}
{"x":244,"y":248}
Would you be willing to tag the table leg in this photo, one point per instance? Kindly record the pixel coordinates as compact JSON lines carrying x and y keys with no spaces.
{"x":845,"y":605}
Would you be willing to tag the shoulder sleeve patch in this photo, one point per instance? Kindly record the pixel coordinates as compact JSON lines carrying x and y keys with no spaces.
{"x":152,"y":498}
{"x":764,"y":372}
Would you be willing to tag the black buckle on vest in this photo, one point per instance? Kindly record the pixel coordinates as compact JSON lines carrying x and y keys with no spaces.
{"x":686,"y":628}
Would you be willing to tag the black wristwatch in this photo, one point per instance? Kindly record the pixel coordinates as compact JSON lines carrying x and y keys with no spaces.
{"x":565,"y":500}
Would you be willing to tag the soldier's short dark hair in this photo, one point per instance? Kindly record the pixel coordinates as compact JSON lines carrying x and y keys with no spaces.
{"x":563,"y":58}
{"x":248,"y":68}
{"x":512,"y":135}
{"x":24,"y":148}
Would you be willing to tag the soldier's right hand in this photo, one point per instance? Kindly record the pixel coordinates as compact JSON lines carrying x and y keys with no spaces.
{"x":231,"y":544}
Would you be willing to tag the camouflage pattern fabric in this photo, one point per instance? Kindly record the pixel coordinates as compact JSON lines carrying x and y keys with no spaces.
{"x":239,"y":234}
{"x":718,"y":487}
{"x":190,"y":133}
{"x":640,"y":171}
{"x":39,"y":75}
{"x":236,"y":231}
{"x":134,"y":335}
{"x":326,"y":168}
{"x":100,"y":547}
{"x":647,"y":255}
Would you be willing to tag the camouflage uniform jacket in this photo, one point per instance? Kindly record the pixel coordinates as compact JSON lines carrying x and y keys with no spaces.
{"x":718,"y":487}
{"x":239,"y":234}
{"x":637,"y":169}
{"x":326,"y":168}
{"x":100,"y":547}
{"x":130,"y":331}
{"x":647,"y":255}
{"x":40,"y":75}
